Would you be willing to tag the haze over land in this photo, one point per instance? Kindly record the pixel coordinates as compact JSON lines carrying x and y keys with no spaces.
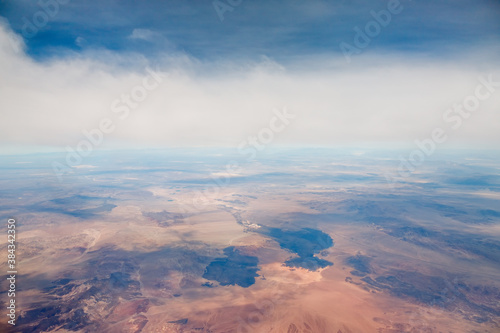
{"x":325,"y":246}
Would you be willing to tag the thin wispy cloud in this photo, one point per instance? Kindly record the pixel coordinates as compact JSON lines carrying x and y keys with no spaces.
{"x":144,"y":34}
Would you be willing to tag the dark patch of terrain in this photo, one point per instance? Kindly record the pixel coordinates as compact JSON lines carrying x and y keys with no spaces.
{"x":449,"y":240}
{"x":479,"y":180}
{"x":489,"y":213}
{"x":360,"y":263}
{"x":72,"y":206}
{"x":387,"y":209}
{"x":305,"y":242}
{"x":476,"y":303}
{"x":86,"y":299}
{"x":66,"y":310}
{"x":437,"y":291}
{"x":164,"y":218}
{"x":86,"y":213}
{"x":234,"y":269}
{"x":76,"y":200}
{"x":91,"y":212}
{"x":383,"y":216}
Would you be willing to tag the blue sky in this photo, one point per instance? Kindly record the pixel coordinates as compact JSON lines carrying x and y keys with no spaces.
{"x":277,"y":29}
{"x":223,"y":80}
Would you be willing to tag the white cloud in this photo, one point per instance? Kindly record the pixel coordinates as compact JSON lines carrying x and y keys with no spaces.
{"x":80,"y":41}
{"x":144,"y":34}
{"x":375,"y":99}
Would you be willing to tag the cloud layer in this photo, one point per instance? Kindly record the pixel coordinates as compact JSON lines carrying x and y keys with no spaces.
{"x":377,"y":98}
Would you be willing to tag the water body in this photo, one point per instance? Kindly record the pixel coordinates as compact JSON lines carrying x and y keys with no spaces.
{"x":234,"y":269}
{"x":305,"y":243}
